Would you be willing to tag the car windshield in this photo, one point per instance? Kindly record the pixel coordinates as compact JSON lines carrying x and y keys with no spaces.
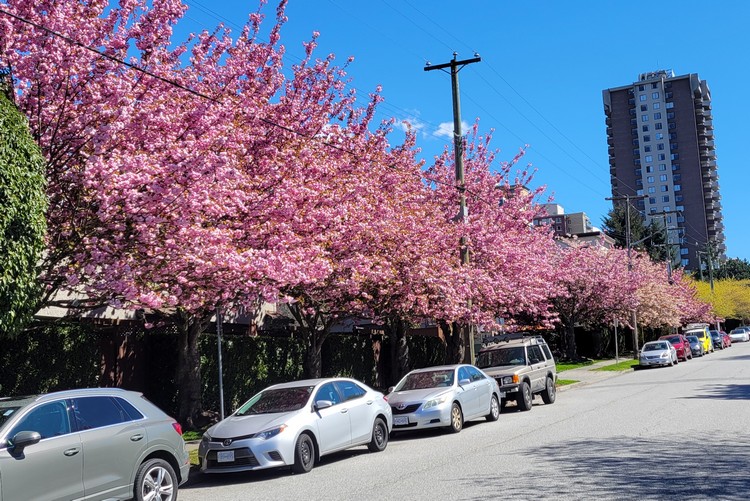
{"x":512,"y":355}
{"x":674,"y":339}
{"x":426,"y":379}
{"x":655,"y":347}
{"x":693,"y":339}
{"x":6,"y":411}
{"x":277,"y":400}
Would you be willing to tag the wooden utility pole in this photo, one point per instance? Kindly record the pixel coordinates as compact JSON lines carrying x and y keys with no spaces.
{"x":458,"y":149}
{"x":628,"y":243}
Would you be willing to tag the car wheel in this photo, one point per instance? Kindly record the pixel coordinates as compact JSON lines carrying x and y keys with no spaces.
{"x":549,"y":393}
{"x":379,"y":436}
{"x":494,"y":409}
{"x":457,"y":418}
{"x":155,"y":481}
{"x":524,"y":397}
{"x":304,"y":454}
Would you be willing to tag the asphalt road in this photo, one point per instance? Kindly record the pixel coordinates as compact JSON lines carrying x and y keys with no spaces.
{"x":669,"y":433}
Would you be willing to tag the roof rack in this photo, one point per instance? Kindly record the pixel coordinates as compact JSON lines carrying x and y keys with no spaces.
{"x":512,"y":336}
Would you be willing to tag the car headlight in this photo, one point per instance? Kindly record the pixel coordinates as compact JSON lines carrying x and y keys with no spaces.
{"x":509,"y":380}
{"x":434,"y":402}
{"x":666,"y":354}
{"x":206,"y":438}
{"x":265,"y":435}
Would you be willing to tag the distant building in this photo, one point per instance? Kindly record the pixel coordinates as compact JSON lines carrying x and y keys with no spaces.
{"x":661,"y":146}
{"x":575,"y":225}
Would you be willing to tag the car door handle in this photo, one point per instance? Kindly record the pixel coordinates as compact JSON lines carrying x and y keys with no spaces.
{"x":369,"y":402}
{"x":72,"y":452}
{"x":344,"y":411}
{"x":136,"y":438}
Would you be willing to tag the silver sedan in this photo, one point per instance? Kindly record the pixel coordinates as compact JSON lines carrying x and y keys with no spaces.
{"x":294,"y":424}
{"x":444,"y":396}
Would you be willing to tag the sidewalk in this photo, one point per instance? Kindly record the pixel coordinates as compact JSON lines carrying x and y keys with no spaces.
{"x":586,"y":375}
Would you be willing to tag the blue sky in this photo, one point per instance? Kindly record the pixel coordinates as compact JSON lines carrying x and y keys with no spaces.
{"x":544,"y":66}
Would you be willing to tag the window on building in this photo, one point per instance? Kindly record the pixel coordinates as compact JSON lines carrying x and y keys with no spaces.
{"x":651,"y":189}
{"x":659,"y":135}
{"x":646,"y":138}
{"x":649,"y":168}
{"x":675,"y":156}
{"x":683,"y":251}
{"x":647,"y":148}
{"x":639,"y":193}
{"x":652,"y":210}
{"x":672,"y":137}
{"x":663,"y":188}
{"x":632,"y":113}
{"x":663,"y":178}
{"x":672,"y":126}
{"x":658,"y":126}
{"x":667,"y":95}
{"x":642,"y":97}
{"x":677,"y":187}
{"x":657,"y":115}
{"x":661,"y":156}
{"x":669,"y":219}
{"x":679,"y":207}
{"x":662,"y":166}
{"x":636,"y":152}
{"x":641,"y":88}
{"x":652,"y":200}
{"x":644,"y":107}
{"x":666,"y":208}
{"x":650,"y":179}
{"x":649,"y":158}
{"x":665,"y":198}
{"x":680,"y":219}
{"x":639,"y":182}
{"x":675,"y":167}
{"x":678,"y":198}
{"x":655,"y":85}
{"x":684,"y":263}
{"x":638,"y":172}
{"x":672,"y":146}
{"x":635,"y":142}
{"x":637,"y":161}
{"x":676,"y":178}
{"x":660,"y":146}
{"x":657,"y":106}
{"x":655,"y":95}
{"x":670,"y":115}
{"x":644,"y":118}
{"x":669,"y":105}
{"x":667,"y":85}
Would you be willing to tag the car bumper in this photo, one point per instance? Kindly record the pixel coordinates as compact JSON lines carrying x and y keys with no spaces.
{"x":653,"y":362}
{"x":245,"y":455}
{"x":434,"y":417}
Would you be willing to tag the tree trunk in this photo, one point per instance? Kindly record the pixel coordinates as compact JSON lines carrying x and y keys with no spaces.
{"x":189,"y":369}
{"x":454,"y":350}
{"x":570,"y":336}
{"x":400,"y":363}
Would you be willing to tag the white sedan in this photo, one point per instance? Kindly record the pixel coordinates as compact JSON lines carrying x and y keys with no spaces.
{"x":739,"y":334}
{"x":294,"y":424}
{"x":658,"y":353}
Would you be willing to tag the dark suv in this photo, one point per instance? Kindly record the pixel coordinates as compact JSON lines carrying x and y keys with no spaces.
{"x":523,"y":366}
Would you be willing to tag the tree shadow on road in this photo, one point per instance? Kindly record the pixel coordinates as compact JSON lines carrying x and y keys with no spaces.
{"x":724,"y":392}
{"x":627,"y":468}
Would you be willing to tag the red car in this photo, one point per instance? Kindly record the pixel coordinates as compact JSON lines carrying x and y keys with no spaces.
{"x":726,"y":340}
{"x":681,"y":345}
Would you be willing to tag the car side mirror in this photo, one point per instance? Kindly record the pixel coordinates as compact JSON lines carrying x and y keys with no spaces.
{"x":24,"y":439}
{"x":464,"y":382}
{"x":322,"y":404}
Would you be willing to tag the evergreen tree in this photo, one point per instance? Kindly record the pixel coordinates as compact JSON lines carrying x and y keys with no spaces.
{"x":649,"y":238}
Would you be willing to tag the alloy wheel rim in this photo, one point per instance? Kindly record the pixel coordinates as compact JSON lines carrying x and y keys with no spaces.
{"x":495,"y":407}
{"x":379,"y":434}
{"x":456,"y":418}
{"x":157,"y":485}
{"x":305,"y":452}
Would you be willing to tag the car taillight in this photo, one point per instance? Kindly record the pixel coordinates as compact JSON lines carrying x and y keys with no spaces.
{"x":177,"y":427}
{"x":385,"y":397}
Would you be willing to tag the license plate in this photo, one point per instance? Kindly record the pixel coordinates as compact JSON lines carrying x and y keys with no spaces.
{"x":225,"y":456}
{"x":400,"y":421}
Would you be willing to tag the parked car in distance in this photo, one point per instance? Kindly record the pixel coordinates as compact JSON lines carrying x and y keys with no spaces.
{"x":727,"y":339}
{"x":523,"y":367}
{"x":718,"y":340}
{"x":696,"y":346}
{"x":701,"y":331}
{"x":740,"y":334}
{"x":444,"y":396}
{"x":658,"y":353}
{"x":101,"y":443}
{"x":681,"y":344}
{"x":295,"y":424}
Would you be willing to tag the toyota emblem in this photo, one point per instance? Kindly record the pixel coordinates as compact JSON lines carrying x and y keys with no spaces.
{"x":227,"y":442}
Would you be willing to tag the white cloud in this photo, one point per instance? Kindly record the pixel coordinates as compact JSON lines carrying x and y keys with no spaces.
{"x":413,"y":123}
{"x":445,"y":129}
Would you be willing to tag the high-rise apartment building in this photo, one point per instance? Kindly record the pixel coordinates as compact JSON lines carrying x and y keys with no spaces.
{"x":661,"y":146}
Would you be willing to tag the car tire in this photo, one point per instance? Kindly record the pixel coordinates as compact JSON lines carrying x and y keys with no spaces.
{"x":549,"y":394}
{"x":457,"y":418}
{"x":304,"y":454}
{"x":155,"y":480}
{"x":494,"y":409}
{"x":525,"y":397}
{"x":379,"y":436}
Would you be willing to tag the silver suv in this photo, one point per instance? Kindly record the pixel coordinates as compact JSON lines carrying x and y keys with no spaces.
{"x":523,"y":366}
{"x":99,"y":443}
